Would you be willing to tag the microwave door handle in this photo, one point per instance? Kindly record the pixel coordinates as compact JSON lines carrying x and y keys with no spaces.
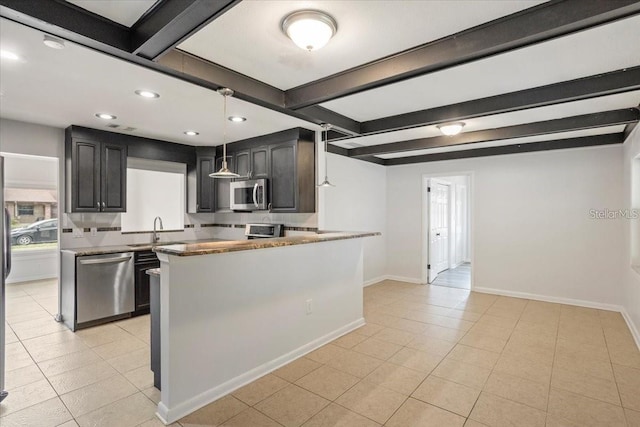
{"x":255,"y":194}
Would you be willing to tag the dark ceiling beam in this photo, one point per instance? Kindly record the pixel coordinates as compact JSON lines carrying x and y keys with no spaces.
{"x":559,"y":144}
{"x":567,"y":124}
{"x":611,"y":83}
{"x":338,"y":121}
{"x":171,"y":22}
{"x":534,"y":25}
{"x":334,"y":149}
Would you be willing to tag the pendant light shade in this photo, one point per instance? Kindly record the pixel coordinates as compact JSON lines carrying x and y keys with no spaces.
{"x":224,"y":171}
{"x":325,"y":183}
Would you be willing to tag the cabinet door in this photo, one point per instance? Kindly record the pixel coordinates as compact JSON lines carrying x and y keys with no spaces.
{"x":242,"y":161}
{"x":260,"y":162}
{"x":114,"y":178}
{"x":283,"y":183}
{"x":222,"y":186}
{"x":205,"y":191}
{"x":85,"y":184}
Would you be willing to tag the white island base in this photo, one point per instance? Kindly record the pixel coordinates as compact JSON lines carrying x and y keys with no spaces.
{"x":230,"y":318}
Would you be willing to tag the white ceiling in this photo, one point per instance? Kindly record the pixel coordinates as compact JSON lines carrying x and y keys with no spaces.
{"x":248,"y":38}
{"x":567,"y":109}
{"x":601,"y":49}
{"x":63,"y":87}
{"x":125,"y":12}
{"x":60,"y":88}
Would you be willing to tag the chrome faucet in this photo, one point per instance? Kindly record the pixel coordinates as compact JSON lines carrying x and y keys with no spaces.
{"x":156,"y":238}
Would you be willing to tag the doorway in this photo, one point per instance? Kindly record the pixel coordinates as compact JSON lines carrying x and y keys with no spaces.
{"x":447,"y":235}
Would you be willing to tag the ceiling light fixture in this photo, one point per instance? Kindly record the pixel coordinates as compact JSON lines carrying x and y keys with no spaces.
{"x":106,"y":116}
{"x":147,"y":94}
{"x":5,"y":54}
{"x":451,"y":129}
{"x":191,"y":132}
{"x":325,"y":183}
{"x":224,"y":172}
{"x":237,"y":119}
{"x":309,"y":29}
{"x":53,"y":42}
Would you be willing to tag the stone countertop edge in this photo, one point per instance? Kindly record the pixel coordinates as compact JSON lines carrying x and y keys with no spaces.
{"x":105,"y":250}
{"x":247,"y":245}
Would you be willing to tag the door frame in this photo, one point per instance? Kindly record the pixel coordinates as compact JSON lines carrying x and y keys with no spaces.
{"x":425,"y":221}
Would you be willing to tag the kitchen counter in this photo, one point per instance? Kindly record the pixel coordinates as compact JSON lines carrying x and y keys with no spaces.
{"x":135,"y":247}
{"x":217,"y":247}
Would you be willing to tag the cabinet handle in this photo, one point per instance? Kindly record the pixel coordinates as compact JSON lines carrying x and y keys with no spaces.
{"x":102,"y":205}
{"x":269,"y":206}
{"x":98,"y":205}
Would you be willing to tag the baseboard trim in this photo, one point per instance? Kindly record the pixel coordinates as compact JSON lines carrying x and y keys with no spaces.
{"x":632,"y":327}
{"x":374,"y":281}
{"x":170,"y":415}
{"x":403,"y":279}
{"x":32,"y":278}
{"x":560,"y":300}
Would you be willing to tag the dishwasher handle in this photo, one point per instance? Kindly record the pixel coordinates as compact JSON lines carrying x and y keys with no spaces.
{"x":105,"y":260}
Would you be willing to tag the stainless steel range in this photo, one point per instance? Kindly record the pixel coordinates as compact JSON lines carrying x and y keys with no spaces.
{"x":264,"y":231}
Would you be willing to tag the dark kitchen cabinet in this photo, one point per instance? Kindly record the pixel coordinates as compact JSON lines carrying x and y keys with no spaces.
{"x":253,"y":163}
{"x":222,"y":186}
{"x":205,"y":191}
{"x":292,"y":179}
{"x":96,"y":175}
{"x":144,"y":260}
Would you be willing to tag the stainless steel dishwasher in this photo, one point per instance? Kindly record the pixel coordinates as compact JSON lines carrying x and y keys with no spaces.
{"x":104,"y":286}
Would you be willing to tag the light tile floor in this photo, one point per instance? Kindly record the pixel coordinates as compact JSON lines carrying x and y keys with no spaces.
{"x":459,"y":277}
{"x":428,"y":356}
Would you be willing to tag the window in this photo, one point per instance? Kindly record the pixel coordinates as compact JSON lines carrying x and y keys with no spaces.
{"x":25,"y":210}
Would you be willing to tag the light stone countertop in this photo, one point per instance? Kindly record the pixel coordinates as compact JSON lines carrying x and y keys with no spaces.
{"x":134,"y":247}
{"x":218,"y":247}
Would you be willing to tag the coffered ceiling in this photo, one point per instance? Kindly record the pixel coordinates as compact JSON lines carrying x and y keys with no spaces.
{"x":522,"y":75}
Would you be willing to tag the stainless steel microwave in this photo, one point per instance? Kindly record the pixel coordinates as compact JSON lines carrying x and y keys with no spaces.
{"x":250,"y":195}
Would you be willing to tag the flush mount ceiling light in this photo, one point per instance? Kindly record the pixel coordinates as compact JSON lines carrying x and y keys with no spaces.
{"x":224,"y":172}
{"x":309,"y":29}
{"x":451,"y":129}
{"x":105,"y":116}
{"x":5,"y":54}
{"x":191,"y":132}
{"x":147,"y":94}
{"x":325,"y":130}
{"x":53,"y":42}
{"x":237,"y":119}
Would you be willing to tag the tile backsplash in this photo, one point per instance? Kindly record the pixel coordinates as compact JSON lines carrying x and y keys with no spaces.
{"x":197,"y":227}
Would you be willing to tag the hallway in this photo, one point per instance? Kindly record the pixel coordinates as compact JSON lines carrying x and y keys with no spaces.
{"x":459,"y":277}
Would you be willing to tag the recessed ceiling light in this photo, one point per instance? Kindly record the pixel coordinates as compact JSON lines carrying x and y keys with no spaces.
{"x":191,"y":132}
{"x":53,"y":42}
{"x":237,"y":119}
{"x":106,"y":116}
{"x":309,"y":29}
{"x":451,"y":129}
{"x":5,"y":54}
{"x":147,"y":94}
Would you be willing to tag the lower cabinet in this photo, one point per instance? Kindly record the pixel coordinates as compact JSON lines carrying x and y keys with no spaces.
{"x":144,"y":260}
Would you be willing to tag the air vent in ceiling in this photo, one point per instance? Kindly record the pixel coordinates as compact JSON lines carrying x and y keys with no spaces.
{"x":113,"y":126}
{"x":128,"y":129}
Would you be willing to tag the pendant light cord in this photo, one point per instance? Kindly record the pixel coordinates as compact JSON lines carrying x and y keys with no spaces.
{"x":326,"y":137}
{"x":224,"y":134}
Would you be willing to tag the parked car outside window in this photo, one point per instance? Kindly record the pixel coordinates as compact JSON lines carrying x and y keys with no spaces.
{"x":38,"y":232}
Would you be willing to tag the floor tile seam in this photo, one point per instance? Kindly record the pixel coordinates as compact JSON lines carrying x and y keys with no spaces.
{"x":100,"y":407}
{"x":254,"y":406}
{"x":448,"y":410}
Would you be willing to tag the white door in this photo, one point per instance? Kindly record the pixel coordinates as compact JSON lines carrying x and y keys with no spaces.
{"x":438,"y":228}
{"x":461,"y":224}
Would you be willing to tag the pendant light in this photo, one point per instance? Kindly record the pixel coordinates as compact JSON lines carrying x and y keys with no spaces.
{"x":224,"y":172}
{"x":325,"y":183}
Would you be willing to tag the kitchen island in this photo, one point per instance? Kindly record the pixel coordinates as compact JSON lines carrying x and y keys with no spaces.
{"x":234,"y":311}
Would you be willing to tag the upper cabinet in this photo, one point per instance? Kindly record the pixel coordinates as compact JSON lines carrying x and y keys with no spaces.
{"x":286,"y":159}
{"x":205,"y":187}
{"x":96,"y":173}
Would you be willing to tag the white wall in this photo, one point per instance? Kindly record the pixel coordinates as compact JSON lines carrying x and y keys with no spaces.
{"x":357,"y":203}
{"x":35,"y":140}
{"x":630,"y":276}
{"x":531,"y":230}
